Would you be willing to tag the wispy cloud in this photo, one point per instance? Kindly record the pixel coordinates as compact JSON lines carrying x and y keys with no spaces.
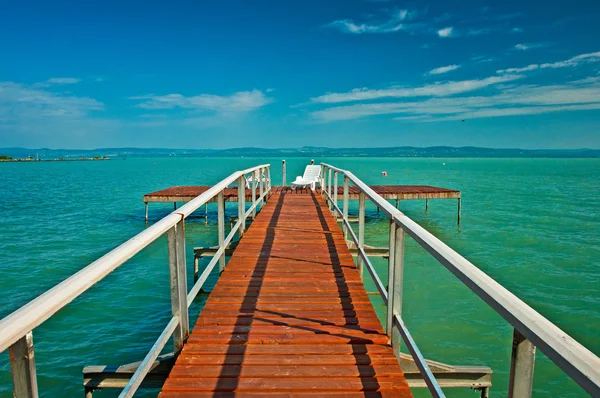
{"x":508,"y":101}
{"x":443,"y":69}
{"x":446,"y":32}
{"x":571,"y":62}
{"x":238,"y":102}
{"x":528,"y":46}
{"x":63,"y":80}
{"x":392,"y":23}
{"x":21,"y":101}
{"x":431,"y":90}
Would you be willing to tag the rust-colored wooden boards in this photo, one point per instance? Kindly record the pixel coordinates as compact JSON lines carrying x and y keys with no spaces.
{"x":400,"y":192}
{"x":289,"y":317}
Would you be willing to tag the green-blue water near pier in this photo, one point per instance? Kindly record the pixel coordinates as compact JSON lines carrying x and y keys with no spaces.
{"x":531,"y":224}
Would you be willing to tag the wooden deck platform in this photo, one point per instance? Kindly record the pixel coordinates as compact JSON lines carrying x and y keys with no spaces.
{"x":289,"y":316}
{"x":394,"y":192}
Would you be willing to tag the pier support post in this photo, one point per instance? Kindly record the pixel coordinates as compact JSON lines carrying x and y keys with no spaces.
{"x":206,"y":213}
{"x":176,"y":244}
{"x":395,"y":284}
{"x":459,"y":205}
{"x":261,"y":184}
{"x":361,"y":231}
{"x":146,"y":205}
{"x":221,"y":226}
{"x":254,"y":194}
{"x":242,"y":205}
{"x":426,"y":204}
{"x":283,"y":172}
{"x":269,"y":185}
{"x":329,"y":187}
{"x":335,"y":191}
{"x":174,"y":205}
{"x":345,"y":207}
{"x":521,"y":367}
{"x":22,"y":365}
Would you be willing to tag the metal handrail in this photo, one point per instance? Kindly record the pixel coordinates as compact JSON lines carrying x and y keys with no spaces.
{"x":531,"y":329}
{"x":15,"y":329}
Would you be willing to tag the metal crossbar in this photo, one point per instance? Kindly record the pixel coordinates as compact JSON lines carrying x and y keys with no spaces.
{"x":16,"y":328}
{"x":531,"y":329}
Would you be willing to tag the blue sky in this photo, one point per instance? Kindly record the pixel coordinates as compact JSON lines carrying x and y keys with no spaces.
{"x":224,"y":74}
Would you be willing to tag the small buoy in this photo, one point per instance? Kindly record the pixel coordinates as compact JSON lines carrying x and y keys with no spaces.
{"x":384,"y":173}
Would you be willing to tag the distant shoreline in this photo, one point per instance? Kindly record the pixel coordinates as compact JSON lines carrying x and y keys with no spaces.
{"x":49,"y":160}
{"x":307,"y":152}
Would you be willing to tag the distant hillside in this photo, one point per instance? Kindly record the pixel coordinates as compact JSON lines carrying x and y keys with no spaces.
{"x":403,"y":151}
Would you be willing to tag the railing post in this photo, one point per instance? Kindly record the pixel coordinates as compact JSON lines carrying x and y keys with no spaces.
{"x":261,"y":187}
{"x":335,"y":191}
{"x":176,"y":243}
{"x":283,"y":172}
{"x":323,"y":181}
{"x":269,"y":185}
{"x":242,"y":204}
{"x":361,"y":231}
{"x":221,"y":228}
{"x":329,"y":187}
{"x":22,"y":365}
{"x":521,"y":367}
{"x":254,"y":194}
{"x":345,"y":207}
{"x":395,"y":284}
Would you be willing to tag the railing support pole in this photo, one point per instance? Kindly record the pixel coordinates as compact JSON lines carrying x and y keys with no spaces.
{"x":521,"y":367}
{"x":242,"y":205}
{"x":261,"y":185}
{"x":283,"y":172}
{"x":345,"y":207}
{"x":254,"y":194}
{"x":179,"y":307}
{"x":395,"y":284}
{"x":335,"y":191}
{"x":361,"y":231}
{"x":221,"y":226}
{"x":269,"y":186}
{"x":22,"y":365}
{"x":329,"y":187}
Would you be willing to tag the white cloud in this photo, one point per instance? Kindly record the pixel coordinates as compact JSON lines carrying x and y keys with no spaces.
{"x":443,"y":69}
{"x":237,"y":102}
{"x":516,"y":100}
{"x":522,"y":47}
{"x":63,"y":80}
{"x":392,"y":23}
{"x":431,"y":90}
{"x":446,"y":32}
{"x":20,"y":102}
{"x":571,"y":62}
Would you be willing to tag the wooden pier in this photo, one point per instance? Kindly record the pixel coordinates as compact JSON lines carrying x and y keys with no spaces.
{"x":184,"y":194}
{"x":289,"y":315}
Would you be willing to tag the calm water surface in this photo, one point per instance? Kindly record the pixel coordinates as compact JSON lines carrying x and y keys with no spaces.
{"x":531,"y":224}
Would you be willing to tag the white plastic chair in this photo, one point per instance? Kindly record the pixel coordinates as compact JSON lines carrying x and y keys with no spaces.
{"x":311,"y":177}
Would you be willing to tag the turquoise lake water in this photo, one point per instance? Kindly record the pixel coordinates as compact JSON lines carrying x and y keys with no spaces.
{"x":531,"y":224}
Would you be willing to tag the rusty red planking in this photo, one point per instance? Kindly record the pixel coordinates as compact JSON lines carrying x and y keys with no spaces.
{"x":271,"y":329}
{"x":400,"y":192}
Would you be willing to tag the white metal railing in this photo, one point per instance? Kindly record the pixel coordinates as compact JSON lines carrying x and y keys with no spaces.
{"x":16,"y":329}
{"x":531,"y":329}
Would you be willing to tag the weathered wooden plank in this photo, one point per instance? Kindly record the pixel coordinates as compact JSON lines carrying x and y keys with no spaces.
{"x":289,"y":314}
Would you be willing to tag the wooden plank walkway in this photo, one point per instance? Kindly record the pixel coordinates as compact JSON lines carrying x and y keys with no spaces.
{"x":399,"y":192}
{"x":289,"y":317}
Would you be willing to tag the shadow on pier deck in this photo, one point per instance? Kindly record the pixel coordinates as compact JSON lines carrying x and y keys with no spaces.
{"x":289,"y":316}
